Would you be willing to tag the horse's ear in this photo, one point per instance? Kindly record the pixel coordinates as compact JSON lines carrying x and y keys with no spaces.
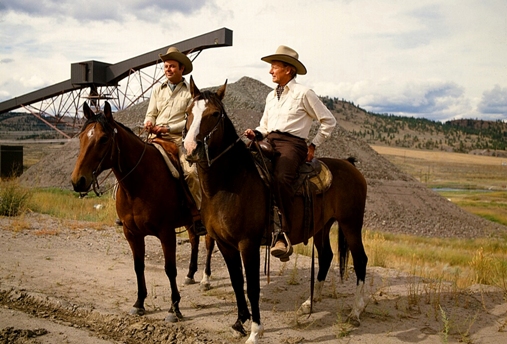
{"x":107,"y":111}
{"x":221,"y":90}
{"x":88,"y":113}
{"x":194,"y":91}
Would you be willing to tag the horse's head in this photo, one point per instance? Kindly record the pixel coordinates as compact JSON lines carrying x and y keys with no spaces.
{"x":95,"y":147}
{"x":205,"y":124}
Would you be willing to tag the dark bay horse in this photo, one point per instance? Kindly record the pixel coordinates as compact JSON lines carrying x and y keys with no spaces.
{"x":149,"y":200}
{"x":236,"y":207}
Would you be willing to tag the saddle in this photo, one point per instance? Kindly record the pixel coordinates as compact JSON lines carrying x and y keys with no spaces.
{"x":314,"y":175}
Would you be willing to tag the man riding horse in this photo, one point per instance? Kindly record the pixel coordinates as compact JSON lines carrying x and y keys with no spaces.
{"x":165,"y":118}
{"x":290,"y":111}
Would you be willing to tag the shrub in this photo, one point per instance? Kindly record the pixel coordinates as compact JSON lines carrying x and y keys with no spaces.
{"x":13,"y":198}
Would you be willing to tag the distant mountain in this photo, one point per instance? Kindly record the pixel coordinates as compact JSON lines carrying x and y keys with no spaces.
{"x":25,"y":126}
{"x":462,"y":136}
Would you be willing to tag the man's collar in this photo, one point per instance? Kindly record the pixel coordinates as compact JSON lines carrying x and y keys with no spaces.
{"x":289,"y":83}
{"x":183,"y":81}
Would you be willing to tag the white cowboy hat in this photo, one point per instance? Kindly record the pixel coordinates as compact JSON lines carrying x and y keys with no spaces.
{"x":174,"y":54}
{"x":287,"y":55}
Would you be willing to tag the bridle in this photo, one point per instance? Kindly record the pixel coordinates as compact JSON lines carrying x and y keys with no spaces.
{"x":208,"y":137}
{"x":98,"y":169}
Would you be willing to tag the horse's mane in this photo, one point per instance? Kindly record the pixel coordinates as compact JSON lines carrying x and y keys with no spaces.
{"x":213,"y":99}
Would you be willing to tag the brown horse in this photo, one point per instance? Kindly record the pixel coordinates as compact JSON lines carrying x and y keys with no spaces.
{"x":236,"y":207}
{"x":149,"y":200}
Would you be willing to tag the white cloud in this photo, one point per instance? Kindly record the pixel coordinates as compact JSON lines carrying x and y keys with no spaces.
{"x":494,"y":101}
{"x":99,"y":10}
{"x":427,"y":58}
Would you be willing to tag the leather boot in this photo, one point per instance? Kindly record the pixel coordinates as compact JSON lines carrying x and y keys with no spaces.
{"x":280,"y":251}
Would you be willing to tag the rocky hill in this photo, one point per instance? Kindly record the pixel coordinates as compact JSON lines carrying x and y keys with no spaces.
{"x":396,"y":201}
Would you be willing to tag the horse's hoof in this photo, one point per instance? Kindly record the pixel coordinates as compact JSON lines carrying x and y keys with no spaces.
{"x":353,"y":320}
{"x":305,"y":308}
{"x":137,"y":311}
{"x":189,"y":281}
{"x":256,"y":332}
{"x":172,"y":318}
{"x":238,"y":327}
{"x":205,"y":286}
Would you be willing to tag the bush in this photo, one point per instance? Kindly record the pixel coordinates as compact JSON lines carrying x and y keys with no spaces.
{"x":13,"y":198}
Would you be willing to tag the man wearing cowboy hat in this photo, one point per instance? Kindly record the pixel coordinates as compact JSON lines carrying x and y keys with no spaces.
{"x":165,"y":117}
{"x":290,"y":110}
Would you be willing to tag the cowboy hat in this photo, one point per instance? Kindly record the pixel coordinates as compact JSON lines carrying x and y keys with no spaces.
{"x":287,"y":55}
{"x":174,"y":54}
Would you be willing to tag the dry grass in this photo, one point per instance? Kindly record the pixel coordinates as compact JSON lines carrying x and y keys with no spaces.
{"x":463,"y":262}
{"x":439,"y":169}
{"x":66,"y":204}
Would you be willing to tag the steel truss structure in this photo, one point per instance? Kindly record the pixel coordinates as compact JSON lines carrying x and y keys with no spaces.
{"x":60,"y":104}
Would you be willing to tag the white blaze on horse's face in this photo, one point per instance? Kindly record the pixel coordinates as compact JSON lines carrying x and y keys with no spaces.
{"x":190,"y":142}
{"x":91,"y":132}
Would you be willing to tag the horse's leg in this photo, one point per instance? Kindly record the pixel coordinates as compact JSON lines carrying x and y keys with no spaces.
{"x":210,"y":246}
{"x":352,"y":234}
{"x":168,"y":240}
{"x":325,"y":253}
{"x":251,"y":261}
{"x":194,"y":255}
{"x":137,"y":247}
{"x":233,"y":261}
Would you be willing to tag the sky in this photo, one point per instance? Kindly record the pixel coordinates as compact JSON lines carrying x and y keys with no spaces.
{"x":434,"y":59}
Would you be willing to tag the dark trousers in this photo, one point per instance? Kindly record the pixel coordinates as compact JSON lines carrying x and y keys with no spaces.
{"x":292,"y":153}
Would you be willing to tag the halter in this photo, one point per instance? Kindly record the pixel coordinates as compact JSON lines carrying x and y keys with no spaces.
{"x":208,"y":137}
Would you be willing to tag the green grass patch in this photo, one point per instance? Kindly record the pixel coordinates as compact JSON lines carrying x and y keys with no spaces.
{"x":67,"y":204}
{"x":489,"y":205}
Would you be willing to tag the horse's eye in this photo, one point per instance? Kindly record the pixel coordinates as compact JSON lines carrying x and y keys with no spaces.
{"x":216,"y":114}
{"x":103,"y":140}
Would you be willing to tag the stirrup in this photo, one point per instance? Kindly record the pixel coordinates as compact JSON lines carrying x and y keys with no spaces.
{"x":283,"y":256}
{"x":289,"y":244}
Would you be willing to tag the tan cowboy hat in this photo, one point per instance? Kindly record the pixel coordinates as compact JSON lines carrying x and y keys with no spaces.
{"x":287,"y":55}
{"x":174,"y":54}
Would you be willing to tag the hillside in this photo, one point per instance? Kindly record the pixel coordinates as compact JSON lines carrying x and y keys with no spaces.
{"x":396,"y":202}
{"x":461,"y":136}
{"x":25,"y":126}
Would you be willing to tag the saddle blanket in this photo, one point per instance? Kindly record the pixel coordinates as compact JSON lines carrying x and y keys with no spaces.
{"x":173,"y":169}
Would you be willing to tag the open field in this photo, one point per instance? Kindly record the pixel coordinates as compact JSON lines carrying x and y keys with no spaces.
{"x":438,"y":169}
{"x":477,"y":184}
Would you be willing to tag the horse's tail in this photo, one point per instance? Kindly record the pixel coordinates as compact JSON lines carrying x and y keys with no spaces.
{"x":343,"y":251}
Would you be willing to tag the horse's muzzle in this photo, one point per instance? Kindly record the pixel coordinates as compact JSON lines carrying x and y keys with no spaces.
{"x":195,"y":155}
{"x":81,"y":185}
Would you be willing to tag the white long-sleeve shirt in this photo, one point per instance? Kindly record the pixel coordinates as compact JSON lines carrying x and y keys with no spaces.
{"x":294,"y":113}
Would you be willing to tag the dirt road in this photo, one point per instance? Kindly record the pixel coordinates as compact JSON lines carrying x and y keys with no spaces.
{"x":73,"y":282}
